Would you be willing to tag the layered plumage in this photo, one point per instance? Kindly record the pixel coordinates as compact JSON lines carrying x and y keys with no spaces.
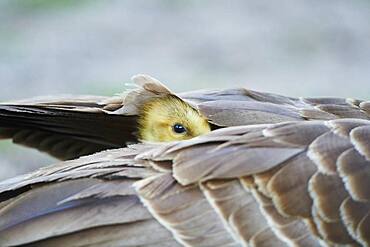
{"x":298,"y":183}
{"x":69,"y":127}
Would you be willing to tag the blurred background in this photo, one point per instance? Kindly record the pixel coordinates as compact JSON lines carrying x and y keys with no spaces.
{"x":296,"y":48}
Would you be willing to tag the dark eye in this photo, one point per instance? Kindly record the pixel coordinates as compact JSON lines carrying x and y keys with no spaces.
{"x":179,"y":128}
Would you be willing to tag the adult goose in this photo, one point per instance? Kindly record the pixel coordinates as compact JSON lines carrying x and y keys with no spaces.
{"x":304,"y":183}
{"x":259,"y":183}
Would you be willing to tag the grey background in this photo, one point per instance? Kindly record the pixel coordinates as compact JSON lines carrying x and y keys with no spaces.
{"x":296,"y":48}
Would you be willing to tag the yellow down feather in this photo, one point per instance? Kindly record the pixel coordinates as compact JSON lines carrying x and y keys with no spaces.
{"x":162,"y":120}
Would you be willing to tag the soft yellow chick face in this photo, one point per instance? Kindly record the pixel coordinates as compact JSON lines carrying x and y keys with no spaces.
{"x":170,"y":119}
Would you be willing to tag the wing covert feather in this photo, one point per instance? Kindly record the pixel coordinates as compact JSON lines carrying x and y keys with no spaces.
{"x":239,"y":186}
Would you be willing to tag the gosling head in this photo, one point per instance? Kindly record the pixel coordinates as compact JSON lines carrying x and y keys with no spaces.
{"x":170,"y":119}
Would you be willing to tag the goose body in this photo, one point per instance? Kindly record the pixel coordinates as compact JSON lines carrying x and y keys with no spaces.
{"x":291,"y":184}
{"x":280,"y":171}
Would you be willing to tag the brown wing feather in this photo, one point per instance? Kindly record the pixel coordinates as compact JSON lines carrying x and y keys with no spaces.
{"x":80,"y":125}
{"x":65,"y":132}
{"x":67,"y":204}
{"x":296,"y":185}
{"x":266,"y":190}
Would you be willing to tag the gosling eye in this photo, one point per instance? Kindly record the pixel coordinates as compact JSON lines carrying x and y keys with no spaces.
{"x":178,"y":128}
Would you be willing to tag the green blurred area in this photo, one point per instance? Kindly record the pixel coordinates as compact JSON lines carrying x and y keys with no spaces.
{"x":6,"y":145}
{"x":46,"y":5}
